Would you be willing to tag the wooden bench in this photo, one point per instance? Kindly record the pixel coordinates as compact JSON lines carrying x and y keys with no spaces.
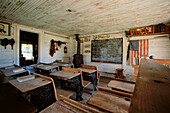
{"x":110,"y":100}
{"x":121,"y":86}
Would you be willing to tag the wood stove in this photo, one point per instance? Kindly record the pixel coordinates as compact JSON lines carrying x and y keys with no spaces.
{"x":78,"y":58}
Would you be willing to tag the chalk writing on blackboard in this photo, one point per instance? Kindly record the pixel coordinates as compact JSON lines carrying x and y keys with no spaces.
{"x":108,"y":50}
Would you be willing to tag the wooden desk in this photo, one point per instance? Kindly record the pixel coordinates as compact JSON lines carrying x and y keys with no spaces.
{"x":13,"y":71}
{"x":40,"y":89}
{"x":30,"y":84}
{"x":11,"y":101}
{"x":45,"y":68}
{"x":63,"y":64}
{"x":65,"y":74}
{"x":152,"y":90}
{"x":87,"y":70}
{"x":92,"y":73}
{"x":109,"y":102}
{"x":70,"y":77}
{"x":128,"y":87}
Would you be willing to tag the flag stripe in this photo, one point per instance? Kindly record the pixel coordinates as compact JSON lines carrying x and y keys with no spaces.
{"x":143,"y":47}
{"x":147,"y":46}
{"x":140,"y":48}
{"x":143,"y":50}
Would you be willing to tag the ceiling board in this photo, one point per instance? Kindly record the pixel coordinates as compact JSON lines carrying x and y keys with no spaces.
{"x":86,"y":16}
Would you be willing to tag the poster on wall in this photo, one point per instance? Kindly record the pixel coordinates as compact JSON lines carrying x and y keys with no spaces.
{"x":4,"y":28}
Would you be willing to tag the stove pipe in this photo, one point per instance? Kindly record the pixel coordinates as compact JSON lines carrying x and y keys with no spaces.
{"x":78,"y":58}
{"x":78,"y":43}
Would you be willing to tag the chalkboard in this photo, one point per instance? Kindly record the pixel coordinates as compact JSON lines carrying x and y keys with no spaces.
{"x":107,"y":50}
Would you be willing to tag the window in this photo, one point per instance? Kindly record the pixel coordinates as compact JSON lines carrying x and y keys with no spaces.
{"x":27,"y":51}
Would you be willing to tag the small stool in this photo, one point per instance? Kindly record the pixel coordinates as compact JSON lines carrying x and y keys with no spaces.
{"x":119,"y":73}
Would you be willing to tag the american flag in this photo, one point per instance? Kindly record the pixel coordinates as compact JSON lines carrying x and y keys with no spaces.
{"x":136,"y":54}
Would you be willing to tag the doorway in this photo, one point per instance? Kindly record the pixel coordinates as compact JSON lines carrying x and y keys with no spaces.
{"x":28,"y":48}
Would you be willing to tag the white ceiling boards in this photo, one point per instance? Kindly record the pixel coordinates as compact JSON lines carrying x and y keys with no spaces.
{"x":69,"y":17}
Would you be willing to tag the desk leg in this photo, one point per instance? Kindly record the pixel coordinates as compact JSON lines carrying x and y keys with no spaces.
{"x":79,"y":87}
{"x":94,"y":81}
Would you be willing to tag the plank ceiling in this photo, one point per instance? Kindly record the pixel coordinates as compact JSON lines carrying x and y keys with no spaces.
{"x":85,"y":16}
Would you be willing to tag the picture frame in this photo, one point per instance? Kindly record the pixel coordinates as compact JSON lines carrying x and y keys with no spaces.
{"x":4,"y":28}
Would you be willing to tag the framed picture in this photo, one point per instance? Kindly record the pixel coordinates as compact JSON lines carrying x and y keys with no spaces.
{"x":4,"y":28}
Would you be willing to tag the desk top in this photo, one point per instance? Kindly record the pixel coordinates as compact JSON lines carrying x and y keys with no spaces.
{"x":13,"y":71}
{"x":30,"y":84}
{"x":44,"y":66}
{"x":65,"y":74}
{"x":152,"y":90}
{"x":109,"y":102}
{"x":121,"y":85}
{"x":63,"y":64}
{"x":87,"y":70}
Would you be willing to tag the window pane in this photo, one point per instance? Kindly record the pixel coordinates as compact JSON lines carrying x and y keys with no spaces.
{"x":27,"y":51}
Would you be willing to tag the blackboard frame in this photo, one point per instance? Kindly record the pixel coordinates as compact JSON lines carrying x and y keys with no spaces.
{"x":103,"y":40}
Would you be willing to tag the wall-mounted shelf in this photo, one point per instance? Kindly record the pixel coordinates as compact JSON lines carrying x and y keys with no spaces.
{"x":159,"y":33}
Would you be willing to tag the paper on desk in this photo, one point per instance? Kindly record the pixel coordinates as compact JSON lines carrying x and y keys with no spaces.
{"x":18,"y":70}
{"x":25,"y":78}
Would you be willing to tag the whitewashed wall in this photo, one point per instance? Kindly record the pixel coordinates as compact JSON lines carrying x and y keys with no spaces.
{"x":10,"y":57}
{"x":7,"y":55}
{"x":59,"y":55}
{"x":159,"y":47}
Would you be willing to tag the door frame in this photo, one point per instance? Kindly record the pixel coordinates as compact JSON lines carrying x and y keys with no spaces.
{"x":17,"y":29}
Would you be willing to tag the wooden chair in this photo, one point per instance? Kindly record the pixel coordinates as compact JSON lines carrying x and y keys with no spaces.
{"x":93,"y":68}
{"x":84,"y":83}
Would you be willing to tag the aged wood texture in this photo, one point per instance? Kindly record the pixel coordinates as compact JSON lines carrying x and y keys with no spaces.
{"x":152,"y":89}
{"x":85,"y":16}
{"x":13,"y":71}
{"x":60,"y":107}
{"x":161,"y":61}
{"x":65,"y":74}
{"x":115,"y":92}
{"x":45,"y":67}
{"x":64,"y":93}
{"x":79,"y":105}
{"x":30,"y":84}
{"x":87,"y":70}
{"x":109,"y":102}
{"x":121,"y":85}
